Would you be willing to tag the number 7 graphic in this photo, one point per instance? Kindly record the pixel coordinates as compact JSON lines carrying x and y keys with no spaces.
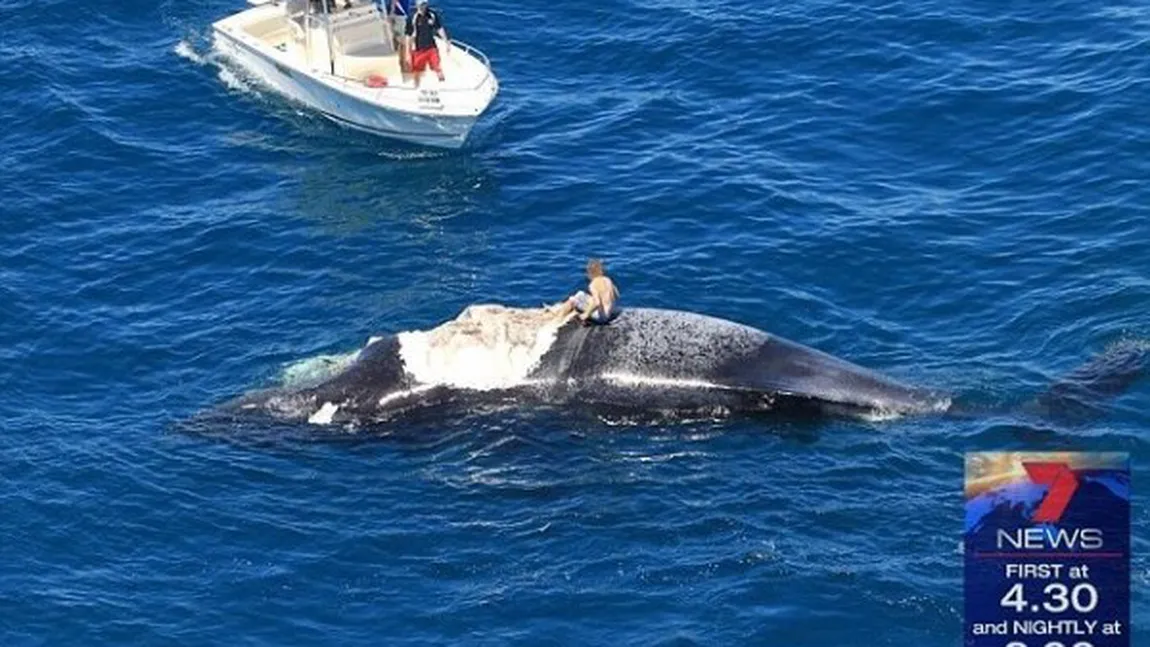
{"x":1063,"y":483}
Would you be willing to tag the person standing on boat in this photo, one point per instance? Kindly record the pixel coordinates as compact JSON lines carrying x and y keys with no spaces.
{"x":398,"y":12}
{"x":421,"y":31}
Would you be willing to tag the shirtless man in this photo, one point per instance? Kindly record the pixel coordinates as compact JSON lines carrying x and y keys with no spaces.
{"x":599,"y":306}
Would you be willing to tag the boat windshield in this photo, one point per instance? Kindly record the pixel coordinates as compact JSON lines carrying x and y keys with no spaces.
{"x":357,"y":27}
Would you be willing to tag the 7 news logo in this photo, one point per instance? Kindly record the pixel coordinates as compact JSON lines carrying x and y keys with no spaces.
{"x":1044,"y":535}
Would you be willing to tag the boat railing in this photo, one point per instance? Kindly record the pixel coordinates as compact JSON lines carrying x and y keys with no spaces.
{"x":467,"y":49}
{"x":474,"y":51}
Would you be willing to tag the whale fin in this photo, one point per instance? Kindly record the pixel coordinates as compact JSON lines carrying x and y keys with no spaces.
{"x":785,"y":367}
{"x":1082,"y":393}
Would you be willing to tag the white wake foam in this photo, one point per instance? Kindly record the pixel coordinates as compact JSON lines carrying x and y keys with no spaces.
{"x":235,"y":81}
{"x":232,"y":76}
{"x":486,"y":347}
{"x":184,"y":49}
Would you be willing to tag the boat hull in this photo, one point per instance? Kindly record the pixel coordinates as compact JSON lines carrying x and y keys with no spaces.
{"x":441,"y":131}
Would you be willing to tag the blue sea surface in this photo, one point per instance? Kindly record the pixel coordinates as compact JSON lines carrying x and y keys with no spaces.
{"x":953,"y":193}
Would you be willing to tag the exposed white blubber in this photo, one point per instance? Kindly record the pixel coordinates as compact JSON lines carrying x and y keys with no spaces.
{"x":486,"y":347}
{"x":324,"y":415}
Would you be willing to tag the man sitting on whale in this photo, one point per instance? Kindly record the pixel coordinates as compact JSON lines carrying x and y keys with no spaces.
{"x":595,"y":306}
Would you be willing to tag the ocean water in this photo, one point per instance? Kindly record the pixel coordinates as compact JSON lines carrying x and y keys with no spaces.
{"x":952,"y":193}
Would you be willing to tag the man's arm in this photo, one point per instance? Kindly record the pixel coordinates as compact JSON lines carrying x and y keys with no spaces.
{"x":408,"y":40}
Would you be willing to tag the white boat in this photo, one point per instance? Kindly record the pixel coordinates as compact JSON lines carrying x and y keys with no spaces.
{"x":342,"y":61}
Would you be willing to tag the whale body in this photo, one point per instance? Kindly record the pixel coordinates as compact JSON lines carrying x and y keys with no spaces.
{"x":645,"y":360}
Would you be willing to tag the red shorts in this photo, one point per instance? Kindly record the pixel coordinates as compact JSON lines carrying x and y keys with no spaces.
{"x":420,"y":60}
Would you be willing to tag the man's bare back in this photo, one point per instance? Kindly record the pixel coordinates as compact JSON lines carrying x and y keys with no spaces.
{"x":598,"y":304}
{"x":603,"y":296}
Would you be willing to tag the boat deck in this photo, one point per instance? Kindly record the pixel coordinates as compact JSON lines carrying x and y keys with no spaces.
{"x":360,"y":49}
